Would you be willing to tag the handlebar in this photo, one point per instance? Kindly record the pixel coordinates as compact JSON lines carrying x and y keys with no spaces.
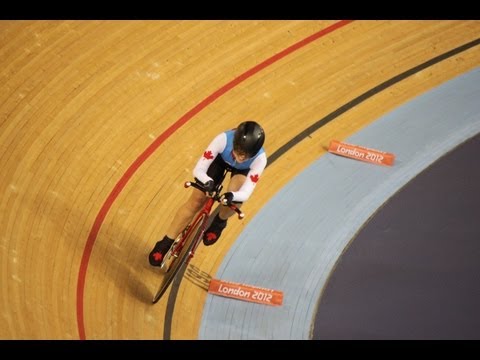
{"x":216,"y":197}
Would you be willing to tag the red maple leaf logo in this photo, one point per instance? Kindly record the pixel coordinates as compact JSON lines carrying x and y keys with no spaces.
{"x":254,"y":178}
{"x":208,"y":155}
{"x":211,"y":236}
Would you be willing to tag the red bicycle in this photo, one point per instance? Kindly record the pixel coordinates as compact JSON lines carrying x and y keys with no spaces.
{"x":184,"y":246}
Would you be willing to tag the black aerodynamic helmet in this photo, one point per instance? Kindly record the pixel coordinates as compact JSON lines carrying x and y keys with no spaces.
{"x":249,"y":138}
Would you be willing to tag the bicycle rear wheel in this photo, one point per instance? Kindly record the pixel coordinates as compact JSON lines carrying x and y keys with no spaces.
{"x":178,"y":262}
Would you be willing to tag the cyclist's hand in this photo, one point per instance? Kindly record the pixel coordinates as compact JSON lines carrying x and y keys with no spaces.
{"x":209,"y":185}
{"x":227,"y":198}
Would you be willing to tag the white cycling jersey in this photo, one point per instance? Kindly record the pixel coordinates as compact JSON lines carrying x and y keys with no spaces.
{"x":223,"y":144}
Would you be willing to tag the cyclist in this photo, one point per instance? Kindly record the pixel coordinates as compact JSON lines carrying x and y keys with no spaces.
{"x":241,"y":150}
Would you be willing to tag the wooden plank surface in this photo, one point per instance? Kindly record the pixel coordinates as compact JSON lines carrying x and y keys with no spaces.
{"x":81,"y":100}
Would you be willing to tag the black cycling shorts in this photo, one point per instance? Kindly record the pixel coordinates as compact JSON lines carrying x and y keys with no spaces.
{"x":215,"y":171}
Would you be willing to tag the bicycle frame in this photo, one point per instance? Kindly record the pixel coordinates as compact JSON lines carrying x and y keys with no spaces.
{"x":185,"y":245}
{"x":206,"y":212}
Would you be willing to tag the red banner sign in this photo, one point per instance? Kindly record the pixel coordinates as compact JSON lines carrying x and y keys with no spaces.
{"x":246,"y":292}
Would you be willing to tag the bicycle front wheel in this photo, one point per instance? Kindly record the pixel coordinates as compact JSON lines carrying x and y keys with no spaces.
{"x":181,"y":260}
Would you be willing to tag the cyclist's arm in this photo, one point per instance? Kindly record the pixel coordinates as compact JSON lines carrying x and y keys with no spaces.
{"x":256,"y":170}
{"x":216,"y":146}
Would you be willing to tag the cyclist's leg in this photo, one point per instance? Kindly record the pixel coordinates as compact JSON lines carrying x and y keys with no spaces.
{"x":220,"y":221}
{"x":186,"y":212}
{"x":181,"y":219}
{"x":236,"y":182}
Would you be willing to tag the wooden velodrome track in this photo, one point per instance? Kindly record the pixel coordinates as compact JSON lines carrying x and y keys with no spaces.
{"x":101,"y":122}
